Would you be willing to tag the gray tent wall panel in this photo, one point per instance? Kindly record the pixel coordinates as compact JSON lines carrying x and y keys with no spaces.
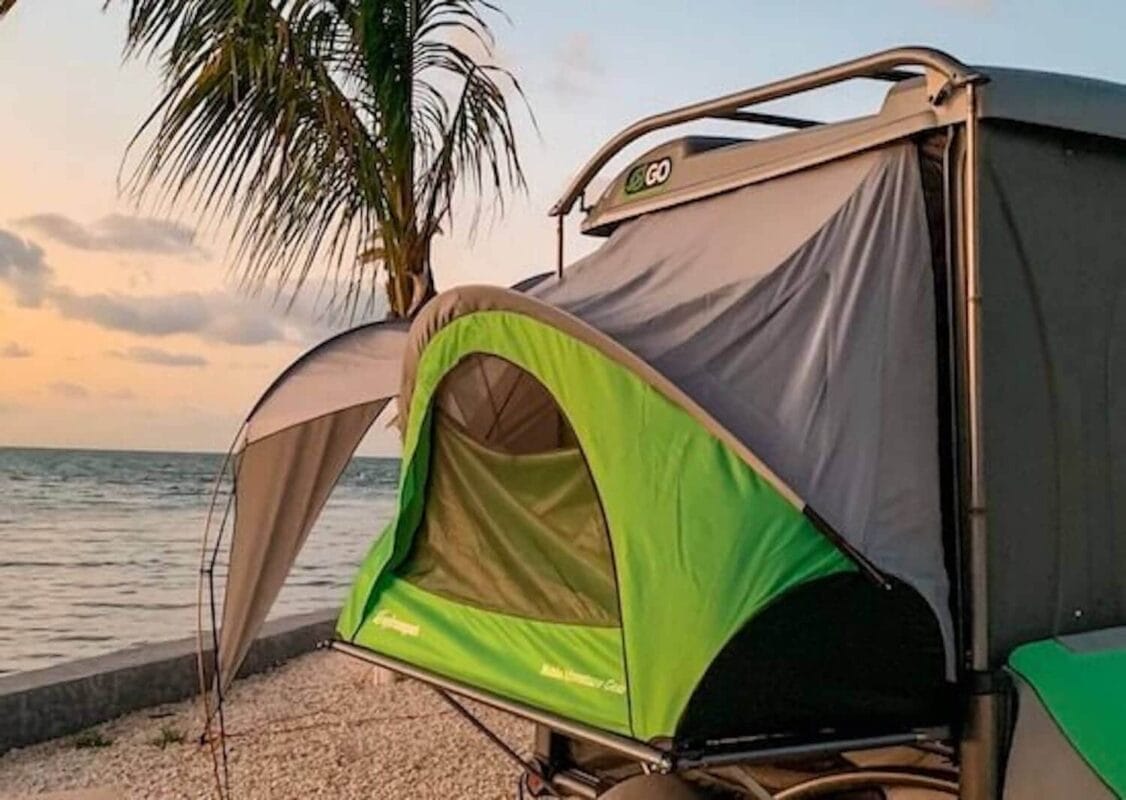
{"x":1042,"y":761}
{"x":800,"y":314}
{"x":1053,"y":279}
{"x":1052,"y":100}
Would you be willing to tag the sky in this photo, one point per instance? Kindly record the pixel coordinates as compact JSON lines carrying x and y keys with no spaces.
{"x":121,"y":326}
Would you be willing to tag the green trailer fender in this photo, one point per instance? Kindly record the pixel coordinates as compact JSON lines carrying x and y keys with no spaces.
{"x":1081,"y":682}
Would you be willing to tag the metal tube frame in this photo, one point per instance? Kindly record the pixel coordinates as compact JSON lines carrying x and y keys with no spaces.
{"x":979,"y":622}
{"x":866,"y":779}
{"x":576,"y":787}
{"x":662,"y":760}
{"x":980,"y":749}
{"x":774,"y":120}
{"x":620,"y":744}
{"x":885,"y":65}
{"x":763,"y":755}
{"x":952,"y":384}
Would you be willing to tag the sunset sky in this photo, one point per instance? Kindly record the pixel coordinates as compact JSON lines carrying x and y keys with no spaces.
{"x":120,"y":326}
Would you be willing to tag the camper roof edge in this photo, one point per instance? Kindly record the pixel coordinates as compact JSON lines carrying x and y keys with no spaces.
{"x":885,"y":65}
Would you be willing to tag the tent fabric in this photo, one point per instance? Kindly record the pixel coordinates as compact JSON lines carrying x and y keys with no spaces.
{"x":1046,"y":99}
{"x":281,"y":483}
{"x":684,"y":513}
{"x":455,"y":303}
{"x":559,"y":569}
{"x":503,"y":407}
{"x":349,"y":369}
{"x":799,"y":313}
{"x":838,"y":652}
{"x":292,"y":449}
{"x":1081,"y":686}
{"x":1053,"y":365}
{"x":506,"y":655}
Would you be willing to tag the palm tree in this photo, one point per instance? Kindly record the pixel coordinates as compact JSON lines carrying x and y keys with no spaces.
{"x":330,"y":133}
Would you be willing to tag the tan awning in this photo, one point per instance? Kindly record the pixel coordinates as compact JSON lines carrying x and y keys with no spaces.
{"x":294,"y":447}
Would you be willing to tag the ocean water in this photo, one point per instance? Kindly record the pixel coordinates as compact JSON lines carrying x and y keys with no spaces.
{"x":99,"y":550}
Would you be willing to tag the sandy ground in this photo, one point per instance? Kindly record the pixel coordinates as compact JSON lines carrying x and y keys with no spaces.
{"x":319,"y":726}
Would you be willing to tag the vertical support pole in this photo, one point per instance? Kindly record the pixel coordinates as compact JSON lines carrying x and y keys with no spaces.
{"x":559,"y":246}
{"x":980,"y":745}
{"x":980,"y":750}
{"x":978,"y":545}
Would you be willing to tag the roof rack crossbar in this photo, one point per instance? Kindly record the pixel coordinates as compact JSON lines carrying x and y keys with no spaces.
{"x":894,"y":75}
{"x":762,"y":118}
{"x":886,"y":65}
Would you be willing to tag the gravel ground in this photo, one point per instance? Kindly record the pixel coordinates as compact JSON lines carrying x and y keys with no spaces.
{"x":319,"y":726}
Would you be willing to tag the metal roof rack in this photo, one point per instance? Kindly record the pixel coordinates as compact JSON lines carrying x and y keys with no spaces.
{"x":893,"y":65}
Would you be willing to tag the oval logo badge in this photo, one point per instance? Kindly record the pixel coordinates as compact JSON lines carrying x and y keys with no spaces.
{"x":649,"y":175}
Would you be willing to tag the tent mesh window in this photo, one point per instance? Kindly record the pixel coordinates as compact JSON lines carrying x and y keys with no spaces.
{"x":512,"y":521}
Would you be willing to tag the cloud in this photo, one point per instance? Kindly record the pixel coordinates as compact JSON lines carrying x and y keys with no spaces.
{"x":215,"y":315}
{"x":122,"y":394}
{"x":118,"y":233}
{"x":69,"y":391}
{"x":23,"y":269}
{"x":14,"y":350}
{"x":577,"y":67}
{"x":163,"y":358}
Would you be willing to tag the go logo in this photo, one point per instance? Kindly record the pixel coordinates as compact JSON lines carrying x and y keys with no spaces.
{"x":648,"y":175}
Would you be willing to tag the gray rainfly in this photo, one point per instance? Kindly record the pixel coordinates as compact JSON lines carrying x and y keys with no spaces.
{"x":810,"y":481}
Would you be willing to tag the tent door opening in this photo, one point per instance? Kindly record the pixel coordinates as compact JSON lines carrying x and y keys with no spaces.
{"x":512,"y":522}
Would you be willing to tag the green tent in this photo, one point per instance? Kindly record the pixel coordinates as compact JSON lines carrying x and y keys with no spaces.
{"x":528,"y":568}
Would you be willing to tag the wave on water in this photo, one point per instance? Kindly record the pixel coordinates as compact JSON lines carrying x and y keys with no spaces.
{"x":101,"y":548}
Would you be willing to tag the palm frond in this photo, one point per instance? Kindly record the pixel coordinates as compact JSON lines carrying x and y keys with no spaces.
{"x":324,"y":131}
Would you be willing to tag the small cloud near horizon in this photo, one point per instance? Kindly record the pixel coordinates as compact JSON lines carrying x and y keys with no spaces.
{"x":14,"y":350}
{"x":68,"y":390}
{"x":119,"y":233}
{"x":163,"y":358}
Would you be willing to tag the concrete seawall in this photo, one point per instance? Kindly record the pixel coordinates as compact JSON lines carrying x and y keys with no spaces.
{"x":56,"y":701}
